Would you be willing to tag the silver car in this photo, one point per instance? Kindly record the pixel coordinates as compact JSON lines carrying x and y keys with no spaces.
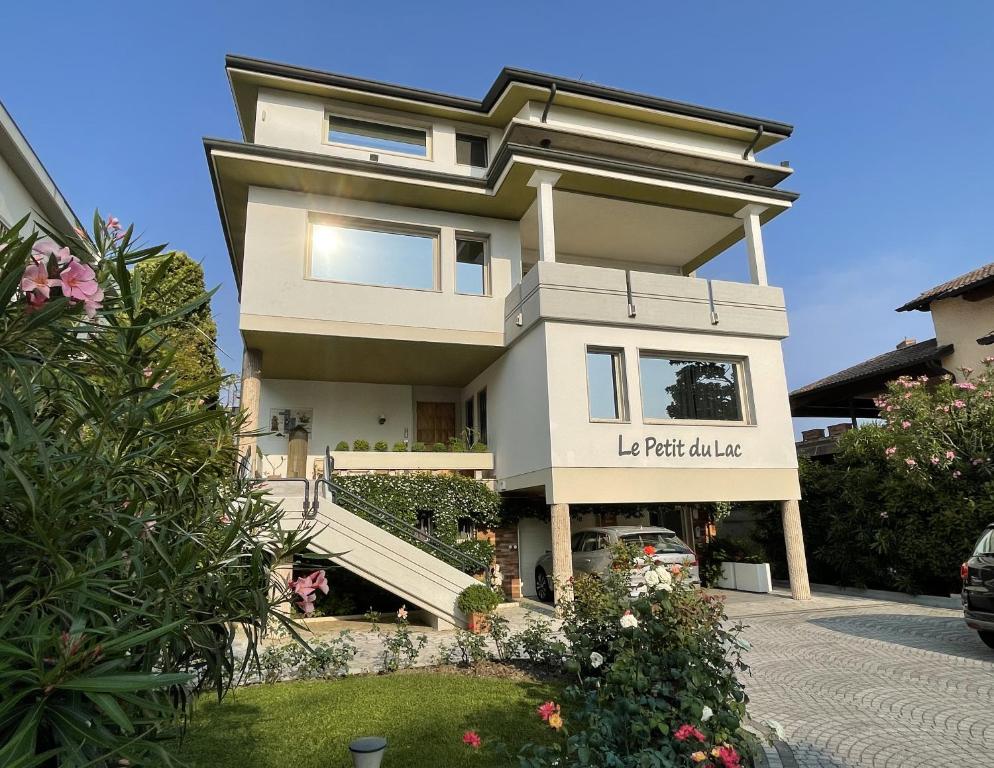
{"x":592,"y":553}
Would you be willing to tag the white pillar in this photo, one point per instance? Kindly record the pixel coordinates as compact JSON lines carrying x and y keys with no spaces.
{"x":250,"y":395}
{"x":544,"y":181}
{"x":754,"y":241}
{"x":562,"y":556}
{"x":797,"y":563}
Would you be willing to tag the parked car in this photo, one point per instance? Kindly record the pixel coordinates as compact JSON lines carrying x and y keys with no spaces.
{"x":592,"y":553}
{"x":978,"y":587}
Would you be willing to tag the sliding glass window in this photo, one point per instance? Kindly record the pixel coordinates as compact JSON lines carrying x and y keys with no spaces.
{"x":606,"y":395}
{"x":690,"y":389}
{"x":382,"y":137}
{"x":398,"y":258}
{"x":472,"y":266}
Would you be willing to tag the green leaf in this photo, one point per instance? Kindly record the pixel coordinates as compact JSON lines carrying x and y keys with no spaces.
{"x":124,"y":682}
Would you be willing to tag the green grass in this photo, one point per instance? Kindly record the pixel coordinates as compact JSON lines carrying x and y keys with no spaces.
{"x":422,"y":715}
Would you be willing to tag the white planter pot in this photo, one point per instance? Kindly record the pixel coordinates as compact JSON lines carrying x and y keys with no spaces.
{"x":727,"y":580}
{"x":752,"y":577}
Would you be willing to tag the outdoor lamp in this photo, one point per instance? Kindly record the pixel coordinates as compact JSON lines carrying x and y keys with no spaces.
{"x":367,"y":752}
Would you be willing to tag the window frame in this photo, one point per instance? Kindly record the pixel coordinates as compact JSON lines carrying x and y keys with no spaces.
{"x":486,"y":149}
{"x":391,"y":122}
{"x":382,"y":227}
{"x":476,"y":238}
{"x":741,"y":376}
{"x":620,"y":383}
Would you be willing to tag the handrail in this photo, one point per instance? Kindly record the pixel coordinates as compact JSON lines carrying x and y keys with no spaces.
{"x":433,"y":544}
{"x":304,"y":480}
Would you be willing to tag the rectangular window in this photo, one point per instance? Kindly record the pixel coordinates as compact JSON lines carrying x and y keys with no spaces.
{"x":606,"y":385}
{"x":481,"y":407}
{"x":467,"y":529}
{"x":472,"y":266}
{"x":381,"y":137}
{"x":471,"y":150}
{"x":680,"y":388}
{"x":354,"y":254}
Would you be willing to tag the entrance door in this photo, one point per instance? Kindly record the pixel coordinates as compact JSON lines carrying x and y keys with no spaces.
{"x":296,"y":458}
{"x":436,"y":422}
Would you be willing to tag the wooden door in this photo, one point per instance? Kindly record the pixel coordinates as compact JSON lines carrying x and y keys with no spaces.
{"x":296,"y":459}
{"x":436,"y":422}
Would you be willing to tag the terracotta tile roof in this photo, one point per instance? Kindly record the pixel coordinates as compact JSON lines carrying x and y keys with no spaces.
{"x":954,"y":287}
{"x":894,"y":361}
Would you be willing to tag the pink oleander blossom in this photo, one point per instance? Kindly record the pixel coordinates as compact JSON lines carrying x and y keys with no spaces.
{"x":79,"y":282}
{"x":911,"y":462}
{"x":950,"y":455}
{"x":905,"y":424}
{"x":957,"y":474}
{"x":37,"y":285}
{"x":969,"y":385}
{"x":890,"y":451}
{"x":959,"y":404}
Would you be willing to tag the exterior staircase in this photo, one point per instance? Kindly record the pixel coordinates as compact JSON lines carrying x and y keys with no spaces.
{"x":377,"y":547}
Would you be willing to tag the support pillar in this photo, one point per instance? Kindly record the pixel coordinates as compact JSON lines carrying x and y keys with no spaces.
{"x":754,"y":242}
{"x":562,"y":556}
{"x":544,"y":181}
{"x":797,"y":563}
{"x":249,"y":402}
{"x":284,"y":575}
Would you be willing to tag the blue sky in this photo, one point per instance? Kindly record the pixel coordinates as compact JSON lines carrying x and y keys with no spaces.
{"x":892,"y":104}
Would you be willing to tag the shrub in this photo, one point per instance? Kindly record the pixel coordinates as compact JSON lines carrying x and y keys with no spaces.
{"x":400,"y":446}
{"x":318,"y":661}
{"x":457,"y":445}
{"x":479,"y":448}
{"x":131,"y":552}
{"x":419,"y":447}
{"x":479,"y":549}
{"x":360,"y":445}
{"x":381,"y":446}
{"x":655,"y":672}
{"x":439,"y":447}
{"x":478,"y":598}
{"x":399,"y":649}
{"x":341,"y":445}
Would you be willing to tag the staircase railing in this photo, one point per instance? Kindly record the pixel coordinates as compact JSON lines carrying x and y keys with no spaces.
{"x":390,"y":522}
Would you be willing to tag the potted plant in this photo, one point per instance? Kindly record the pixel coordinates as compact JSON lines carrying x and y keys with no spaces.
{"x":478,"y":601}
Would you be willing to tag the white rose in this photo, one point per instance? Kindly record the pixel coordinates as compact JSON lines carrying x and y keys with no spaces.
{"x":666,"y":587}
{"x":628,"y":620}
{"x":706,"y":714}
{"x":596,"y":660}
{"x":652,"y":578}
{"x":665,"y":577}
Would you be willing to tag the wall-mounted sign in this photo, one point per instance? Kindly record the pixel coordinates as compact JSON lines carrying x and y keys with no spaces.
{"x":282,"y":421}
{"x":678,"y":448}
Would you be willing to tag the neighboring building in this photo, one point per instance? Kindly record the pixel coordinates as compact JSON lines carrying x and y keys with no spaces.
{"x":413,"y":266}
{"x":25,"y":186}
{"x":962,"y":312}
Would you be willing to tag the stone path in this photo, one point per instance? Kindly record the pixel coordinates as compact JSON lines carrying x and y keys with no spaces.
{"x":868,"y":684}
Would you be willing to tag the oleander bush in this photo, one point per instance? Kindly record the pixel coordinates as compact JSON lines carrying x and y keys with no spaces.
{"x":904,"y":501}
{"x":131,"y":554}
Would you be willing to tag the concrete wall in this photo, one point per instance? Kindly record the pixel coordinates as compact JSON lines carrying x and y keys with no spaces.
{"x":960,"y":322}
{"x":275,"y":282}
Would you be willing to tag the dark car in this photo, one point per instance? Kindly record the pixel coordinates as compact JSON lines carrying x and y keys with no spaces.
{"x":978,"y":587}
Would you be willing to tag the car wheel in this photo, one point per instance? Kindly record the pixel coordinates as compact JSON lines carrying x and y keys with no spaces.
{"x":542,"y":587}
{"x":988,"y":638}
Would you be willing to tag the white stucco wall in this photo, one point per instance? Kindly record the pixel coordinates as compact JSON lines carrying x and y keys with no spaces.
{"x":960,"y":322}
{"x":275,"y":282}
{"x":15,"y":200}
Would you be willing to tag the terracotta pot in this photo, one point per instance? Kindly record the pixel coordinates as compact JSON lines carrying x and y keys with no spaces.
{"x":478,"y":623}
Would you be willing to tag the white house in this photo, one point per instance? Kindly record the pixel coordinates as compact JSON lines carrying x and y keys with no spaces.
{"x":25,"y":186}
{"x":521,"y":269}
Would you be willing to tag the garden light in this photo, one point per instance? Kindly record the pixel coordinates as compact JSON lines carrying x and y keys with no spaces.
{"x":367,"y":752}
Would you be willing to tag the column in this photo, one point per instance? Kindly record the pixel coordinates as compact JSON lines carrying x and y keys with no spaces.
{"x":544,"y":181}
{"x":562,"y":556}
{"x":282,"y":576}
{"x":251,"y":391}
{"x":754,"y":242}
{"x":797,"y":563}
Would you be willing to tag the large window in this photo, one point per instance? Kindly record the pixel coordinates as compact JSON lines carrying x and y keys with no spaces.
{"x":382,"y":137}
{"x":694,"y":389}
{"x":606,"y":384}
{"x":472,"y":266}
{"x":358,"y":254}
{"x":481,"y":407}
{"x":471,"y":150}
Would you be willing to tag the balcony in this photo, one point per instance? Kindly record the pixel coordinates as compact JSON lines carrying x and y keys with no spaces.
{"x":598,"y":295}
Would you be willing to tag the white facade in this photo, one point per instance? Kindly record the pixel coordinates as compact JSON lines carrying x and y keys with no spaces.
{"x":595,"y":208}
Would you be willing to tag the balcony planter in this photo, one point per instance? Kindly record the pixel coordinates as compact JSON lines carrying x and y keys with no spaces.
{"x":727,"y":580}
{"x":751,"y":577}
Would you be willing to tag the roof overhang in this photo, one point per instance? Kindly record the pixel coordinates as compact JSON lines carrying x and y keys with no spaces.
{"x":512,"y":89}
{"x":18,"y":154}
{"x":504,"y":193}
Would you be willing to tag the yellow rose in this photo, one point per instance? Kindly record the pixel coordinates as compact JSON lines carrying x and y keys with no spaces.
{"x":555,"y":721}
{"x":698,"y":757}
{"x":716,"y":752}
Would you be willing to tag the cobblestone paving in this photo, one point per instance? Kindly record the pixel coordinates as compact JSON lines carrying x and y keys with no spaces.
{"x":860,"y":683}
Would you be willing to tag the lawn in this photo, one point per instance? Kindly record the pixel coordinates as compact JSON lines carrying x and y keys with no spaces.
{"x":422,"y":715}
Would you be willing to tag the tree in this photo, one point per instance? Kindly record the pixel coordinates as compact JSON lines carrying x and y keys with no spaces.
{"x":703,"y":390}
{"x":192,"y":336}
{"x":131,"y":554}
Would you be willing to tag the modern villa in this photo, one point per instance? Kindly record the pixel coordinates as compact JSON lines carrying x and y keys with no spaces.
{"x":518,"y":272}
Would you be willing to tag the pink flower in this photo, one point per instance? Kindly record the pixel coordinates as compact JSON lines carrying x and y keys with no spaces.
{"x":935,"y":459}
{"x":957,"y":474}
{"x":547,"y":710}
{"x":905,"y":425}
{"x":36,"y":283}
{"x":79,"y":282}
{"x":113,"y":223}
{"x":687,"y":731}
{"x":890,"y":451}
{"x":676,"y":569}
{"x":472,"y":738}
{"x":305,"y":586}
{"x":965,"y":385}
{"x":950,"y":455}
{"x":977,"y":462}
{"x":911,"y":462}
{"x":402,"y":613}
{"x":959,"y":404}
{"x":728,"y":756}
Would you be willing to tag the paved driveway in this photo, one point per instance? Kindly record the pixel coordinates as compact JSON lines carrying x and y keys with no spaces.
{"x":859,"y":682}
